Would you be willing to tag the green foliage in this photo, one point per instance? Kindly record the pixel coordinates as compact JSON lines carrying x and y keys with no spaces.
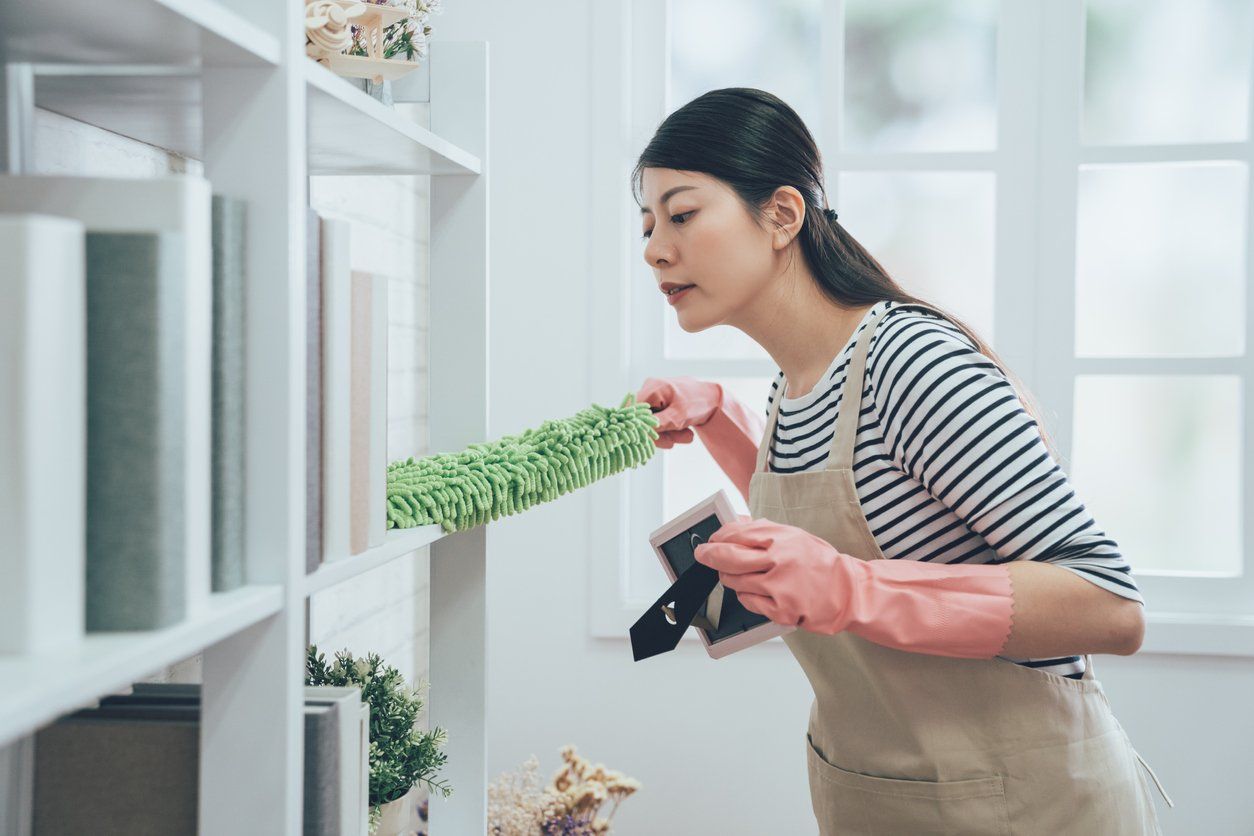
{"x":401,"y":754}
{"x":507,"y":476}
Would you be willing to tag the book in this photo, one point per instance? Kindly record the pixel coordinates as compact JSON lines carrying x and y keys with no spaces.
{"x":43,"y":433}
{"x":323,"y":761}
{"x":136,"y":465}
{"x":117,"y":776}
{"x":173,"y":203}
{"x":339,"y":769}
{"x":361,"y":313}
{"x":325,"y":802}
{"x":378,"y":411}
{"x":336,"y":387}
{"x":228,"y":519}
{"x":368,"y":460}
{"x":313,"y":391}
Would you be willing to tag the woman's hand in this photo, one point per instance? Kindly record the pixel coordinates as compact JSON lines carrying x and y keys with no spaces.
{"x":783,"y":572}
{"x":797,"y":579}
{"x":679,"y":404}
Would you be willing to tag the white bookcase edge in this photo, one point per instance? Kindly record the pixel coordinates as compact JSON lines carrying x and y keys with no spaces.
{"x":133,"y":31}
{"x":43,"y":686}
{"x":396,"y":543}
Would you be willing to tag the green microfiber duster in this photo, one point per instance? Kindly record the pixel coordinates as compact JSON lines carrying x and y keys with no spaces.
{"x":485,"y":481}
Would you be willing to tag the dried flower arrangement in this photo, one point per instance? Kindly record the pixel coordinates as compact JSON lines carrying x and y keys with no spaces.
{"x":570,"y":805}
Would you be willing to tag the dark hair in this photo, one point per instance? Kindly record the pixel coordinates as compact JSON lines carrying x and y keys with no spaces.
{"x":755,"y":143}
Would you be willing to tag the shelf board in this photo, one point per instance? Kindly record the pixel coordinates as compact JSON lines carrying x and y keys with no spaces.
{"x":188,"y":32}
{"x":348,"y":131}
{"x":40,"y":688}
{"x":352,"y":133}
{"x":395,"y":544}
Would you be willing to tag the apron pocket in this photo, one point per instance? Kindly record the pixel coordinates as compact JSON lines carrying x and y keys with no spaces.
{"x":855,"y":804}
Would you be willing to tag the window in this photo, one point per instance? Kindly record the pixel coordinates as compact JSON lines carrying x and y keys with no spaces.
{"x":1070,"y":178}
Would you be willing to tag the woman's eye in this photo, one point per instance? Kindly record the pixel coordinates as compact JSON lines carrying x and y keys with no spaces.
{"x":673,"y":217}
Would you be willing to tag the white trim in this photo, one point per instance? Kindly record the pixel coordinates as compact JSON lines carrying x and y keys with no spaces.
{"x":1201,"y":634}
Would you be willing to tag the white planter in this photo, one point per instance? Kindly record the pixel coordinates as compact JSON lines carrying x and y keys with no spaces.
{"x":400,"y":817}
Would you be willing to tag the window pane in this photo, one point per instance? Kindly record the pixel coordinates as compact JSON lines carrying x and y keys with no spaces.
{"x":737,"y":43}
{"x":933,"y":233}
{"x":1166,"y":71}
{"x":1160,"y":260}
{"x":1158,"y":463}
{"x":920,"y":75}
{"x":690,"y":474}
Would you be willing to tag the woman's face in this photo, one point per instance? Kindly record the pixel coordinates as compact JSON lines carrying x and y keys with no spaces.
{"x":698,"y":233}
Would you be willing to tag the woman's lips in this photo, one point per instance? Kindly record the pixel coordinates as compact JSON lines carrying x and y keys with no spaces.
{"x":675,"y":297}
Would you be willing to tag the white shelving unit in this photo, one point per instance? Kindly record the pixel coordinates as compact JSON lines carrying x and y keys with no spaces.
{"x":228,"y":82}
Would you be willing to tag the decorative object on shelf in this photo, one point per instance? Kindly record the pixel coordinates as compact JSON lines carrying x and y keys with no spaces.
{"x":508,"y":476}
{"x":365,"y":40}
{"x":570,"y":804}
{"x":402,"y":756}
{"x":327,"y":24}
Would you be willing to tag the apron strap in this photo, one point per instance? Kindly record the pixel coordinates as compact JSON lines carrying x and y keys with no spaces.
{"x":1157,"y":782}
{"x":765,"y":446}
{"x":845,"y":437}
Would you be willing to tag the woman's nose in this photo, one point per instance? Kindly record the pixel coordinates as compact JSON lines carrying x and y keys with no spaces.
{"x":656,"y":250}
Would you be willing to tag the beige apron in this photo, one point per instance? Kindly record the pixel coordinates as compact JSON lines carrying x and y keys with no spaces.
{"x":902,"y":743}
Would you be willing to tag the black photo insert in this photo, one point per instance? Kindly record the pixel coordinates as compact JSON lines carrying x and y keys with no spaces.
{"x":680,"y":554}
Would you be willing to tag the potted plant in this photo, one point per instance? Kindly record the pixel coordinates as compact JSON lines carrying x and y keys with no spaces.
{"x":402,"y":756}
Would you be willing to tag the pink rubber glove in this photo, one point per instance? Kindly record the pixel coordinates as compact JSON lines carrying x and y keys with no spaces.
{"x":795,"y":578}
{"x":729,"y":430}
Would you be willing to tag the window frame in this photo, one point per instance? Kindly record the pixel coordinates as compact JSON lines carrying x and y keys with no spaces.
{"x":1035,"y":164}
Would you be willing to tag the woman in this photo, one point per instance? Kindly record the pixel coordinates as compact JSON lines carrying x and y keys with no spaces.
{"x":947,"y":584}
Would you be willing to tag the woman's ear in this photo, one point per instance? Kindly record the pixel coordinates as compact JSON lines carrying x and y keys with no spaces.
{"x":786,"y":210}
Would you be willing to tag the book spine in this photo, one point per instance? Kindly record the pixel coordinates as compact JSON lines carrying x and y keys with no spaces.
{"x":336,"y":388}
{"x":136,"y":431}
{"x":322,"y":772}
{"x":229,"y":217}
{"x":378,"y":411}
{"x":43,"y":433}
{"x":359,"y":464}
{"x":313,"y":392}
{"x":193,"y":224}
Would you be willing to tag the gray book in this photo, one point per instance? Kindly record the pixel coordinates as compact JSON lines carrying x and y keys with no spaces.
{"x":323,"y":761}
{"x":116,"y":777}
{"x":337,"y":766}
{"x":136,"y":466}
{"x":313,"y":391}
{"x":229,"y":260}
{"x":58,"y":807}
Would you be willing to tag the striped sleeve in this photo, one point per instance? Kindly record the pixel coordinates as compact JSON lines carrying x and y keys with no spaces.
{"x":952,"y":421}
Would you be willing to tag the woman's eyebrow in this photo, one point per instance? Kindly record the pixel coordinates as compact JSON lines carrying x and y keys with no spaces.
{"x":646,"y":211}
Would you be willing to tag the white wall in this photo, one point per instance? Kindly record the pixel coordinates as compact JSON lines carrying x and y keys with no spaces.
{"x":718,"y":745}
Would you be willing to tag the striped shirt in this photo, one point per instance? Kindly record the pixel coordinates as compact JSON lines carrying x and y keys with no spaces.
{"x":949,"y":466}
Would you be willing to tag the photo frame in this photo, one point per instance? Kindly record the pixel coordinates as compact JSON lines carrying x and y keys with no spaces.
{"x":674,"y":544}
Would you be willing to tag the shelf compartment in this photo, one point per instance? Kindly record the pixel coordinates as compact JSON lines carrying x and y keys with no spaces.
{"x":395,"y":544}
{"x":44,"y":686}
{"x":189,"y":32}
{"x":351,"y":133}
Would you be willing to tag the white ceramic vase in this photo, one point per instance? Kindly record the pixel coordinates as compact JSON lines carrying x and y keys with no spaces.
{"x":400,"y":817}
